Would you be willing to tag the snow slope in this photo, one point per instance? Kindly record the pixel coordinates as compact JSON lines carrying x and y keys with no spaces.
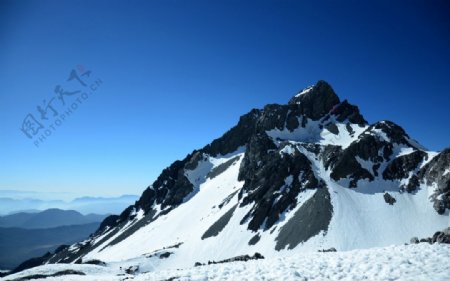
{"x":411,"y":262}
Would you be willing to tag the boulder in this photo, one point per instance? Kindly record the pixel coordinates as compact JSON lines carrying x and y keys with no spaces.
{"x":389,"y":199}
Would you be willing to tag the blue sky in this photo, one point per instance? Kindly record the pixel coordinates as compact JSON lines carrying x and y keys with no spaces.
{"x":177,"y":74}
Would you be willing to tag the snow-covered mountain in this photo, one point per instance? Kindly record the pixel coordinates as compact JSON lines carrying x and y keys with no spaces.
{"x":307,"y":175}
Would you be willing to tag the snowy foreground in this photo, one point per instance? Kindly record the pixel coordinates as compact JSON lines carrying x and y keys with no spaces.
{"x":406,"y":262}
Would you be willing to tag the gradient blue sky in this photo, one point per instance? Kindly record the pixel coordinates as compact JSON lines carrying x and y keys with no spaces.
{"x":177,"y":74}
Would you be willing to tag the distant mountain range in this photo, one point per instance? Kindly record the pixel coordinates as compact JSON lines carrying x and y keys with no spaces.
{"x":11,"y":204}
{"x":48,"y":218}
{"x":18,"y":244}
{"x":26,"y":235}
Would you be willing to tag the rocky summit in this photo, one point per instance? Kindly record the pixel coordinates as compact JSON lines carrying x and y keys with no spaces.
{"x":307,"y":175}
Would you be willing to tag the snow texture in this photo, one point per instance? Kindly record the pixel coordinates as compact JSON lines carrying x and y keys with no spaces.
{"x":406,"y":262}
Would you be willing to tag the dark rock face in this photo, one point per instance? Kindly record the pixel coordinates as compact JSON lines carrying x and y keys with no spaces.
{"x":330,"y":155}
{"x":347,"y":165}
{"x":311,"y":218}
{"x":394,"y":132}
{"x":317,"y":102}
{"x":130,"y":230}
{"x":401,"y":166}
{"x":347,"y":111}
{"x":169,"y":189}
{"x":332,"y":128}
{"x":435,"y":171}
{"x":109,"y":221}
{"x":274,"y":116}
{"x":389,"y":199}
{"x":371,"y":147}
{"x":259,"y":148}
{"x":265,"y":170}
{"x":412,"y":184}
{"x":236,"y":137}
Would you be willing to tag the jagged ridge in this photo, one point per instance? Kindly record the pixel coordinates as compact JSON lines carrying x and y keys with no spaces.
{"x":285,"y":148}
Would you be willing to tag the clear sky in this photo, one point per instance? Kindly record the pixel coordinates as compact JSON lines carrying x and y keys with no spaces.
{"x":177,"y":74}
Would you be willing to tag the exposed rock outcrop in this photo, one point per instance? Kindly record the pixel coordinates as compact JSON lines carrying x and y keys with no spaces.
{"x":437,"y":173}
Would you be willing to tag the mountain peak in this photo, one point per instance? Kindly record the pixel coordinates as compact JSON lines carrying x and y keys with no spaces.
{"x":317,"y":100}
{"x":291,"y":175}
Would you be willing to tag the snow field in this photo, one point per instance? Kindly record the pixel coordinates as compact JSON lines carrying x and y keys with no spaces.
{"x":405,"y":262}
